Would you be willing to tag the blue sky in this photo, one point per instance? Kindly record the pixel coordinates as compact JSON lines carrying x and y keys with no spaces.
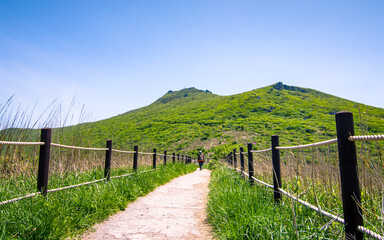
{"x":115,"y":56}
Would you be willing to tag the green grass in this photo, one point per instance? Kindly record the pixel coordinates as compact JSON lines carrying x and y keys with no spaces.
{"x":240,"y":211}
{"x":190,"y":119}
{"x":69,"y":213}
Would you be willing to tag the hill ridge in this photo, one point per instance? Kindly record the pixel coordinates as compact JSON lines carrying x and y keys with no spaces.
{"x":191,"y":119}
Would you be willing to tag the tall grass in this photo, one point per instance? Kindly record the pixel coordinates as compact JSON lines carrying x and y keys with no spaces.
{"x":238,"y":210}
{"x":68,"y":213}
{"x":313,"y":175}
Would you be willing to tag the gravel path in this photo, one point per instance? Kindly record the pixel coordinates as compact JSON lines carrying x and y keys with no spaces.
{"x":173,"y":211}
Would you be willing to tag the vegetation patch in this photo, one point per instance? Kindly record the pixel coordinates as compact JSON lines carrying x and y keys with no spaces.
{"x":238,"y":210}
{"x":68,"y":213}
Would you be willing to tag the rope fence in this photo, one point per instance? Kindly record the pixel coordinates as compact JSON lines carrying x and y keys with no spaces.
{"x":21,"y":143}
{"x":45,"y":154}
{"x":19,"y":198}
{"x":347,"y":174}
{"x":311,"y":145}
{"x":122,"y":151}
{"x":367,"y":138}
{"x":78,"y":148}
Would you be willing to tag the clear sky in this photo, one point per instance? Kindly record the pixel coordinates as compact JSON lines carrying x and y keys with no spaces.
{"x":115,"y":56}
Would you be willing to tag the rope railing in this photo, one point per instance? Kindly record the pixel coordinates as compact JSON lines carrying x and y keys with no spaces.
{"x":77,"y":185}
{"x":69,"y":187}
{"x":370,"y":233}
{"x":311,"y":145}
{"x":366,"y":138}
{"x":21,"y":143}
{"x":144,"y":153}
{"x":79,"y":148}
{"x":19,"y":198}
{"x":257,"y":180}
{"x":330,"y":215}
{"x":261,"y":151}
{"x":122,"y":151}
{"x":317,"y":209}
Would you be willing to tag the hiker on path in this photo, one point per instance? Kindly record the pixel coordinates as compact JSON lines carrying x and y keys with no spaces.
{"x":200,"y":159}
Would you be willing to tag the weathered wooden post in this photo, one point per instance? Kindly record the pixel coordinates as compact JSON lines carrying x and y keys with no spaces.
{"x":350,"y":188}
{"x":44,"y":156}
{"x":154,"y":158}
{"x":242,"y":160}
{"x":276,"y":168}
{"x":234,"y":159}
{"x":250,"y":163}
{"x":135,"y":157}
{"x":165,"y":158}
{"x":108,"y":158}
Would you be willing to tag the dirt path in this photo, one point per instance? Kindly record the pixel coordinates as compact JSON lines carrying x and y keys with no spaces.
{"x":172,"y":211}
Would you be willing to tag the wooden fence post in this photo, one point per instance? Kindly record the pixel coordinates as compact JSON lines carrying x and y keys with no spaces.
{"x":165,"y":158}
{"x":242,"y":160}
{"x":250,"y":163}
{"x":135,"y":157}
{"x":44,"y":156}
{"x":173,"y":158}
{"x":108,"y":157}
{"x":276,"y":169}
{"x":350,"y":187}
{"x":154,"y":158}
{"x":234,"y":159}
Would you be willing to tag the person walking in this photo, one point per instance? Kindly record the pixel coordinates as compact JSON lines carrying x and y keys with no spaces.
{"x":201,"y":159}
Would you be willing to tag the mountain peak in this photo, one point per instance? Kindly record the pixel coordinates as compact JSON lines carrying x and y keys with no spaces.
{"x":184,"y":93}
{"x":280,"y":86}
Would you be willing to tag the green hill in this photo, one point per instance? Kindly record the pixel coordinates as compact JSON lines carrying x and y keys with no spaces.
{"x":192,"y":119}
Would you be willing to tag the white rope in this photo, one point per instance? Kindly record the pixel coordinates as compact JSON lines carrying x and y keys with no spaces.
{"x":121,"y":151}
{"x":19,"y":198}
{"x":80,"y":148}
{"x":370,"y":233}
{"x":328,"y":142}
{"x":21,"y":143}
{"x":77,"y":185}
{"x":257,"y":180}
{"x":334,"y":217}
{"x":367,"y":138}
{"x":144,"y":153}
{"x":161,"y":155}
{"x":261,"y":151}
{"x":129,"y":174}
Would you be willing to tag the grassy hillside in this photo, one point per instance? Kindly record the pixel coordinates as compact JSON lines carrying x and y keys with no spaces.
{"x":192,"y":119}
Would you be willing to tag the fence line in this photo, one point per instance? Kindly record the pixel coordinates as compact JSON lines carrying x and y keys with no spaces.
{"x":77,"y":185}
{"x":44,"y":159}
{"x":19,"y":198}
{"x":122,"y":151}
{"x":317,"y":209}
{"x":261,"y":151}
{"x":21,"y":143}
{"x":144,"y":153}
{"x":348,"y":172}
{"x":311,"y":145}
{"x":79,"y":148}
{"x":367,"y":138}
{"x":257,"y":180}
{"x":69,"y":187}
